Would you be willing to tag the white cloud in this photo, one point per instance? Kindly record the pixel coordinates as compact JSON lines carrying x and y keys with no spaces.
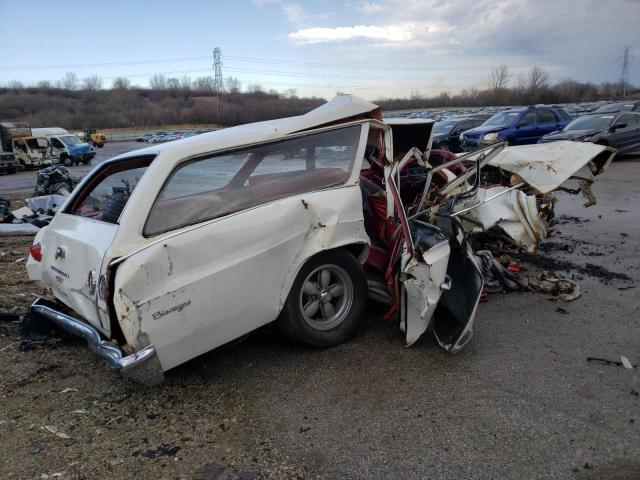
{"x":393,"y":33}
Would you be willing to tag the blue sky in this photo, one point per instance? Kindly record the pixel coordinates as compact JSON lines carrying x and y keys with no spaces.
{"x":370,"y":48}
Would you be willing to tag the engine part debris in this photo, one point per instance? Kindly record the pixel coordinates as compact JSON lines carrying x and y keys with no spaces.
{"x":606,"y":361}
{"x":496,"y":277}
{"x":55,"y":180}
{"x":556,"y":285}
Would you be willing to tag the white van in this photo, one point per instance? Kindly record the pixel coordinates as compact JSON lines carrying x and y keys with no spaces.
{"x":67,"y":147}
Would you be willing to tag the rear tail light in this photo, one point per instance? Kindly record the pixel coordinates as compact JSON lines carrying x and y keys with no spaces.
{"x":35,"y":251}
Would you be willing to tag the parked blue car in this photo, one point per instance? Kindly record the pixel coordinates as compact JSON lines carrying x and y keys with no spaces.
{"x":517,"y":126}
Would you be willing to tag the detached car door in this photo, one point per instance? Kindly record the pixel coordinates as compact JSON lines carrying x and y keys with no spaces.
{"x":228,"y":233}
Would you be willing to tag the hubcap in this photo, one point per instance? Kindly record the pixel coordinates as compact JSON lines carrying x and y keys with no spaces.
{"x":326,"y":297}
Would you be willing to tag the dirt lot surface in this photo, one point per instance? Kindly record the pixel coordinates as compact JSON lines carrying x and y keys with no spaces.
{"x":521,"y":401}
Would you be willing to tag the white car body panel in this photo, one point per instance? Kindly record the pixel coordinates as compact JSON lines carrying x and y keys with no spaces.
{"x":74,"y":247}
{"x":205,"y":287}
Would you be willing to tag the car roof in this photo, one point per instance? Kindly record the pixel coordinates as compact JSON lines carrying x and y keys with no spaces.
{"x":341,"y":108}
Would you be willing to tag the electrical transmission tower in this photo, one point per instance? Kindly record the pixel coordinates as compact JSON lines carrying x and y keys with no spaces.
{"x":218,"y":83}
{"x":624,"y":74}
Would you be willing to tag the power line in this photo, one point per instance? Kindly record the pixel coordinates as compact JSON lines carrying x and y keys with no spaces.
{"x":331,"y":75}
{"x":267,"y":61}
{"x":386,"y":67}
{"x":101,"y":64}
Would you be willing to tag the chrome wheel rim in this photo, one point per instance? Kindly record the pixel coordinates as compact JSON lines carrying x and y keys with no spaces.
{"x":326,"y":297}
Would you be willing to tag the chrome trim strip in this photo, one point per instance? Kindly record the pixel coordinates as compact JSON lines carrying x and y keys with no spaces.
{"x":127,"y":365}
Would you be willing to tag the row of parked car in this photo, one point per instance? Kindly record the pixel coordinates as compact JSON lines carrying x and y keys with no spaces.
{"x":161,"y":137}
{"x":616,"y":125}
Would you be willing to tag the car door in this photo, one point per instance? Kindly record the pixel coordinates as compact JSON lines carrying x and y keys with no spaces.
{"x":624,"y":133}
{"x":228,"y":233}
{"x":634,"y":144}
{"x":547,"y":122}
{"x":439,"y":276}
{"x":526,"y":131}
{"x":454,"y":138}
{"x":57,"y":146}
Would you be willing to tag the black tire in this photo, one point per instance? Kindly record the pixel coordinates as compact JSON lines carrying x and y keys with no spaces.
{"x":344,"y":269}
{"x":22,"y":166}
{"x":66,"y":160}
{"x":113,"y":207}
{"x":11,"y":170}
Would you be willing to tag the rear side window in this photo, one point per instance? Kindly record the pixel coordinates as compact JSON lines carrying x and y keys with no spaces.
{"x":218,"y":185}
{"x":563,"y":115}
{"x":106,"y":195}
{"x":529,"y":119}
{"x":546,"y":116}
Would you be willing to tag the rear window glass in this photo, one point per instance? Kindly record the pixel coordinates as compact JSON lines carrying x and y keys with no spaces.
{"x":106,"y":196}
{"x":218,"y":185}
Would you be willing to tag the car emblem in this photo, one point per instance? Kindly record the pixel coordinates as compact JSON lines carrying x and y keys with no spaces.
{"x":91,"y":281}
{"x":61,"y":252}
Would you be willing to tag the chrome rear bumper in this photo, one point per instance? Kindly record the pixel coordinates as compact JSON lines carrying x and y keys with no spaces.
{"x":142,"y":366}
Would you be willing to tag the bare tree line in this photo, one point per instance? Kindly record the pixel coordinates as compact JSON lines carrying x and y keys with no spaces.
{"x":75,"y":102}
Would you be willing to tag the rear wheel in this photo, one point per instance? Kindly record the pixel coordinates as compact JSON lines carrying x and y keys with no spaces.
{"x":66,"y":160}
{"x":326,"y":300}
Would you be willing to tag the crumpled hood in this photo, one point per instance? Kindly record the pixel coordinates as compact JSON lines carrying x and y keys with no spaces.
{"x":570,"y":135}
{"x":479,"y":131}
{"x":546,"y":166}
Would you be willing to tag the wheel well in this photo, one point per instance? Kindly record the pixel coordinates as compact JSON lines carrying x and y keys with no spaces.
{"x":355,"y":249}
{"x":358,"y":250}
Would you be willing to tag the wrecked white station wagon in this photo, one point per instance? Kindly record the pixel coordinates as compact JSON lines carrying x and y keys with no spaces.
{"x":165,"y":253}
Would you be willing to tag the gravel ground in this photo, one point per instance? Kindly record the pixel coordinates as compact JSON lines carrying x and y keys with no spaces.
{"x":521,"y":401}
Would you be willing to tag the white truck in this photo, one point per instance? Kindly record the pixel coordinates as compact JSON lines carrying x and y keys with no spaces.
{"x":67,"y":147}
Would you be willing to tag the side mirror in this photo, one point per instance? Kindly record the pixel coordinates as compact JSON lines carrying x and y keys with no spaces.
{"x":618,"y":125}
